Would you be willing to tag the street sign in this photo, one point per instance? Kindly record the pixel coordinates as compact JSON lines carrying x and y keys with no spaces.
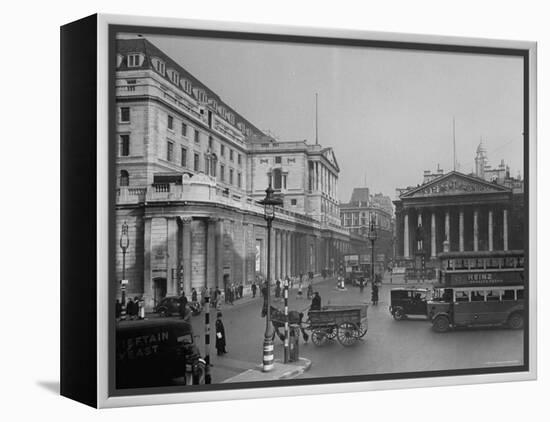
{"x":124,"y":282}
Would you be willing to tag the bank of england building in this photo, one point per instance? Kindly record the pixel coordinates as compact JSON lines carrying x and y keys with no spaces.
{"x":190,"y":171}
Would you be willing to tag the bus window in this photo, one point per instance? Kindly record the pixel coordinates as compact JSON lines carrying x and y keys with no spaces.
{"x":461,"y":296}
{"x":520,"y":293}
{"x":493,"y":295}
{"x":477,"y":296}
{"x":508,"y":295}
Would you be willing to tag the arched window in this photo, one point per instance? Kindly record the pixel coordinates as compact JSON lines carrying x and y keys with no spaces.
{"x":124,"y":178}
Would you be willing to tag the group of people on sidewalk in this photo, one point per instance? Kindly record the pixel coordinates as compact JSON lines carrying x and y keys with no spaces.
{"x":135,"y":308}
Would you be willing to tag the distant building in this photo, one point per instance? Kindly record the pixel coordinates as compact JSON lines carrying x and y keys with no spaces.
{"x":357,"y":214}
{"x":481,"y":211}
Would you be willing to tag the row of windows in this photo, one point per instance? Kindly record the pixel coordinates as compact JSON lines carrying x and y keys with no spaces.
{"x":136,"y":60}
{"x":197,"y":139}
{"x":209,"y":164}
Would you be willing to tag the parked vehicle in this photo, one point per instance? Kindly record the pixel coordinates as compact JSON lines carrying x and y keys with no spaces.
{"x":408,"y":301}
{"x":479,"y":289}
{"x":168,"y":306}
{"x":155,"y":353}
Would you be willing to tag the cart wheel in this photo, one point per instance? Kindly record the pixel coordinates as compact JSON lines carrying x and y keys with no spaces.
{"x":362,"y":330}
{"x":515,"y":322}
{"x":318,"y":337}
{"x":399,"y":314}
{"x":346,"y":333}
{"x":332,"y":332}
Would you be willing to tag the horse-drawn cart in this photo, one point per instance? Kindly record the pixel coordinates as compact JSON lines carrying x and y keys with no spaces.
{"x":347,"y":323}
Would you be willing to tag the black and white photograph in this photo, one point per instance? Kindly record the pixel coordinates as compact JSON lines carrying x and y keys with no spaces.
{"x":290,"y":211}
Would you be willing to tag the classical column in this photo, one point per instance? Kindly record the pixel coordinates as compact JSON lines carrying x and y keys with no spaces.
{"x":505,"y":228}
{"x":448,"y":228}
{"x":490,"y":228}
{"x":461,"y":231}
{"x":476,"y":230}
{"x":172,"y":262}
{"x":220,"y":242}
{"x":433,"y":234}
{"x":406,"y":236}
{"x":210,"y":280}
{"x":245,"y":254}
{"x":186,"y":261}
{"x":283,"y":254}
{"x":147,"y":274}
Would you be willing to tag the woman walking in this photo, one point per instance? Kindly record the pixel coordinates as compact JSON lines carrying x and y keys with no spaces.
{"x":220,"y":335}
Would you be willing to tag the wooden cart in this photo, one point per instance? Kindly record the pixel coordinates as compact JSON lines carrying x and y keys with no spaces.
{"x":346,"y":323}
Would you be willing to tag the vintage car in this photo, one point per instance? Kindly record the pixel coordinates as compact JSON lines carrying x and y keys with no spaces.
{"x":408,"y":301}
{"x":156,"y":352}
{"x":168,"y":306}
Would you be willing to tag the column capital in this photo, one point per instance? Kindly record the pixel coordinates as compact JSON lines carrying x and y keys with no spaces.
{"x":186,"y":220}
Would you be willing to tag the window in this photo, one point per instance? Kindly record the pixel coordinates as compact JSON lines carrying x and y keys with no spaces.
{"x":174,"y":76}
{"x":197,"y":136}
{"x":124,"y":178}
{"x":133,"y":60}
{"x":187,"y":86}
{"x":230,"y":176}
{"x":222,"y":150}
{"x":293,"y":202}
{"x":508,"y":295}
{"x":284,"y":181}
{"x":278,"y":160}
{"x":169,"y":151}
{"x":183,"y":157}
{"x":170,"y":122}
{"x":477,"y":297}
{"x":239,"y":180}
{"x":239,"y":159}
{"x":196,"y":162}
{"x":210,"y":142}
{"x":159,"y":66}
{"x":184,"y":129}
{"x":462,"y":296}
{"x":222,"y":172}
{"x":231,"y":155}
{"x":519,"y":294}
{"x":125,"y":114}
{"x":493,"y":295}
{"x":124,"y":145}
{"x":277,"y":179}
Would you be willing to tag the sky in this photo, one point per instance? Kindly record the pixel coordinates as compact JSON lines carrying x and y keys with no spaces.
{"x":387,"y":113}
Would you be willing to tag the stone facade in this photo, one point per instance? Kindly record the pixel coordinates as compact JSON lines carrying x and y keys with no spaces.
{"x":190,"y":170}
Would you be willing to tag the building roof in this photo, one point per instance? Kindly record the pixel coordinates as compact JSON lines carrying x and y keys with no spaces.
{"x":360,"y":195}
{"x":142,"y":45}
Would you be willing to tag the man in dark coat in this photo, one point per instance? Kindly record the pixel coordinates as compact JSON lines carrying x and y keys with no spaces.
{"x":182,"y":305}
{"x":316,"y":302}
{"x":220,"y":335}
{"x":130,"y":309}
{"x":241,"y":288}
{"x":254,"y":287}
{"x":118,"y":309}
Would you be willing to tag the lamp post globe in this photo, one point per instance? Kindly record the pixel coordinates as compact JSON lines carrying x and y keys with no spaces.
{"x":270,"y":202}
{"x":372,"y":235}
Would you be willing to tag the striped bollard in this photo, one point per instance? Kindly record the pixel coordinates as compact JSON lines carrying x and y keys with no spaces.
{"x":207,"y":376}
{"x":268,"y":359}
{"x":286,"y":322}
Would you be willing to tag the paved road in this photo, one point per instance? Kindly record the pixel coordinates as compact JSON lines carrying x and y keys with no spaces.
{"x":389,"y":346}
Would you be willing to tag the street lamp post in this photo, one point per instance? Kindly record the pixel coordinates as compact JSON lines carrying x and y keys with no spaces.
{"x":124,"y":243}
{"x":269,"y":203}
{"x":372,"y":237}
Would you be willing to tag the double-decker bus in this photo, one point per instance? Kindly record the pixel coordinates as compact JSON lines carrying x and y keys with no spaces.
{"x":478,"y":289}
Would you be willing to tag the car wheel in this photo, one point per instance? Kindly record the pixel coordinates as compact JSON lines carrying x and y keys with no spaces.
{"x":515,"y":322}
{"x":399,"y":314}
{"x":163,"y":312}
{"x":441,"y":324}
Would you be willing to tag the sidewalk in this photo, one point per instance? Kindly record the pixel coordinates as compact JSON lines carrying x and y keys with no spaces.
{"x":280,"y":371}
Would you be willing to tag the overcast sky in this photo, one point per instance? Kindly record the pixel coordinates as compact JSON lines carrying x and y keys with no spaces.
{"x":386,"y":113}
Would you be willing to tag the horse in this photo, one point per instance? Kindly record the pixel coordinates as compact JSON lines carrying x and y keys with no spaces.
{"x":278,"y":321}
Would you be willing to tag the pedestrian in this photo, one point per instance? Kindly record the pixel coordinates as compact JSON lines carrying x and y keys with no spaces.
{"x":241,"y":289}
{"x":220,"y":335}
{"x":182,"y":305}
{"x":309,"y":291}
{"x":253,"y":287}
{"x":299,"y":296}
{"x":361,"y":284}
{"x":194,"y":297}
{"x":141,"y":308}
{"x":231,"y":294}
{"x":278,"y":289}
{"x":226,"y":294}
{"x":315,"y":302}
{"x":118,"y":309}
{"x":130,"y":309}
{"x":374,"y":294}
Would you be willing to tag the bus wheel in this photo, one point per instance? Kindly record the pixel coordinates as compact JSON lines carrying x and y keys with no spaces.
{"x":398,"y":314}
{"x":441,"y":324}
{"x":515,"y":322}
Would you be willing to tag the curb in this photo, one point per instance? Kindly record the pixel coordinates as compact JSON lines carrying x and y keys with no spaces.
{"x":299,"y":370}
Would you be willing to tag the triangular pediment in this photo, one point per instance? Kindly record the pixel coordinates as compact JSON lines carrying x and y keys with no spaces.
{"x":454,"y":183}
{"x":328,"y":153}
